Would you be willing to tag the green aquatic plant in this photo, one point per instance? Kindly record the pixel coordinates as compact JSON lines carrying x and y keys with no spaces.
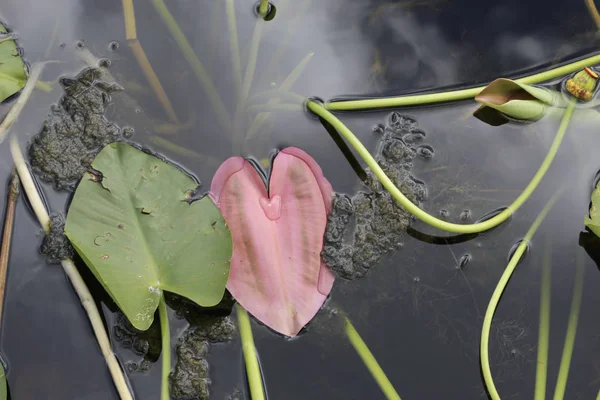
{"x":13,"y":74}
{"x":130,"y":222}
{"x":72,"y":273}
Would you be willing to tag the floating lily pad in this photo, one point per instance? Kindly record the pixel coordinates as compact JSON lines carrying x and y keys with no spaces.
{"x":12,"y":68}
{"x":134,"y":224}
{"x":3,"y":391}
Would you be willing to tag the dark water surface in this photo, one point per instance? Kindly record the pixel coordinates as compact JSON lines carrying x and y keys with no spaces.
{"x":419,"y":314}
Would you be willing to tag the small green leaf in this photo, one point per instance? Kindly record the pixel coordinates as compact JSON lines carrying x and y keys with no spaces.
{"x":139,"y":234}
{"x":593,"y":221}
{"x":12,"y":69}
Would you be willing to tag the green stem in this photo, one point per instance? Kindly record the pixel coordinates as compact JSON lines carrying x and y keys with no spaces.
{"x":265,"y":108}
{"x":239,"y":137}
{"x":370,"y":362}
{"x":424,"y":216}
{"x":283,"y":89}
{"x":565,"y":362}
{"x":544,"y":329}
{"x":165,"y":335}
{"x":234,"y":46}
{"x":495,"y":299}
{"x":193,"y":60}
{"x":263,"y":7}
{"x":252,"y":367}
{"x":463,"y":94}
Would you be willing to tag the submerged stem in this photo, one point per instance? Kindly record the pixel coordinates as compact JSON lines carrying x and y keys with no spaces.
{"x":370,"y":362}
{"x":9,"y":219}
{"x":565,"y":362}
{"x":544,"y":329}
{"x":454,"y":95}
{"x":192,"y":59}
{"x":72,"y":273}
{"x":234,"y":46}
{"x":495,"y":299}
{"x":238,"y":133}
{"x":165,"y":335}
{"x":423,"y":215}
{"x":252,"y":367}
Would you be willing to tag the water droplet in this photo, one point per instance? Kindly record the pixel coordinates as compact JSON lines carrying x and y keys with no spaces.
{"x":513,"y":352}
{"x":127,"y":132}
{"x":463,"y":261}
{"x":104,"y":257}
{"x":444,"y":213}
{"x":417,"y":279}
{"x":114,"y":45}
{"x":425,"y":151}
{"x":465,"y":215}
{"x":137,"y":111}
{"x":120,"y":226}
{"x":104,"y":63}
{"x":273,"y":84}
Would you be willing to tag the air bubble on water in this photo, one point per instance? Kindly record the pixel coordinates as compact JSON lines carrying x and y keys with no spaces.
{"x":425,"y":151}
{"x":104,"y":63}
{"x":464,"y":261}
{"x":416,"y":279}
{"x":114,"y":45}
{"x":127,"y":132}
{"x":465,"y":215}
{"x":63,"y":45}
{"x":80,"y":44}
{"x":444,"y":213}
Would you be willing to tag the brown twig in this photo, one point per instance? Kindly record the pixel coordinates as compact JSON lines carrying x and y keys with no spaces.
{"x":9,"y":218}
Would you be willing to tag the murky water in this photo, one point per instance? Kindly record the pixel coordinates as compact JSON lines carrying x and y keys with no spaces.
{"x":420,"y":315}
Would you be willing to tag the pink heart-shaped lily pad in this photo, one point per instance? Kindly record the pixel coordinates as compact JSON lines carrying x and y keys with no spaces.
{"x":276,"y":269}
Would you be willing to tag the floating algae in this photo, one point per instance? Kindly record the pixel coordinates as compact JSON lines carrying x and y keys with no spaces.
{"x":379,"y":222}
{"x":75,"y":131}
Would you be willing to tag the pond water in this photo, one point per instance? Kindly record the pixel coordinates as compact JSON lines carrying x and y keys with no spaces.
{"x":418,"y":312}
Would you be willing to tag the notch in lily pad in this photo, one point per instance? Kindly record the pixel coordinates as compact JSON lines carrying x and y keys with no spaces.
{"x":157,"y":241}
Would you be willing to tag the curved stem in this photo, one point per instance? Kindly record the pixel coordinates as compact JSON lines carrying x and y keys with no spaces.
{"x":544,"y":329}
{"x":165,"y":335}
{"x":565,"y":362}
{"x":454,"y":95}
{"x":370,"y":362}
{"x":424,"y":216}
{"x":252,"y":367}
{"x":495,"y":299}
{"x":73,"y":274}
{"x":591,"y":6}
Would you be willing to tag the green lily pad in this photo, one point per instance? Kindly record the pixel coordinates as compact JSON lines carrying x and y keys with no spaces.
{"x":593,"y":221}
{"x":3,"y":391}
{"x":139,"y":233}
{"x":12,"y":69}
